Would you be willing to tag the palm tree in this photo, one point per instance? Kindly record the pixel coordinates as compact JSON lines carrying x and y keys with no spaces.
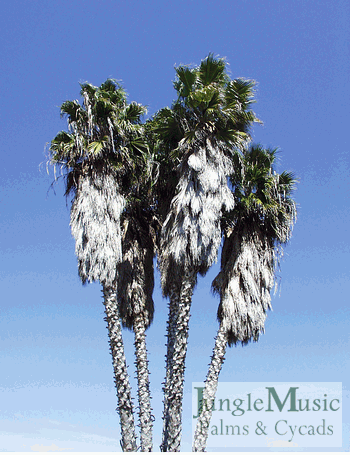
{"x":255,"y":231}
{"x":134,"y":295}
{"x":207,"y":124}
{"x":135,"y":283}
{"x":98,"y":154}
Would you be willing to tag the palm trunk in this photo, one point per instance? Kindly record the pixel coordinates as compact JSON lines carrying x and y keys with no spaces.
{"x":145,"y":409}
{"x":171,"y":329}
{"x":176,"y":356}
{"x":121,"y":378}
{"x":211,"y":385}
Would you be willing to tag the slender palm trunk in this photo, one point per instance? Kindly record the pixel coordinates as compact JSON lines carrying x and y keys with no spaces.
{"x":176,"y":356}
{"x":171,"y":332}
{"x":121,"y":378}
{"x":141,"y":363}
{"x":211,"y":385}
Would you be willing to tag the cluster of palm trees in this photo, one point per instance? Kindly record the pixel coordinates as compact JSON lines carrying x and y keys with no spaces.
{"x":173,"y":187}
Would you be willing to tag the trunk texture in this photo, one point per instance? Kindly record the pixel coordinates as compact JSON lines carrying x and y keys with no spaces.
{"x":176,"y":368}
{"x":171,"y":329}
{"x":141,"y":363}
{"x":211,"y":385}
{"x":121,"y":378}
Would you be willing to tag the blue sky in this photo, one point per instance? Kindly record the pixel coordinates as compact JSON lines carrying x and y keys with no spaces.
{"x":56,"y":380}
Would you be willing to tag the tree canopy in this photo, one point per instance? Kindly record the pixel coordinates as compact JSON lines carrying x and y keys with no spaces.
{"x":174,"y":188}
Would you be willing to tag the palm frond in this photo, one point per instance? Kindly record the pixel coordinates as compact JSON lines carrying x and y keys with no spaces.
{"x":187,"y":78}
{"x":72,"y":110}
{"x":87,"y":89}
{"x":212,"y":70}
{"x":104,"y":132}
{"x":112,"y":86}
{"x":61,"y":145}
{"x":95,"y":148}
{"x":134,"y":111}
{"x":239,"y":94}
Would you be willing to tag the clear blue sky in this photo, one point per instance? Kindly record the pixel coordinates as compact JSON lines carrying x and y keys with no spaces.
{"x":56,"y":380}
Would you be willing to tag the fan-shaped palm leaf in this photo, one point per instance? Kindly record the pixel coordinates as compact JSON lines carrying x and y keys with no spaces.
{"x":212,"y":71}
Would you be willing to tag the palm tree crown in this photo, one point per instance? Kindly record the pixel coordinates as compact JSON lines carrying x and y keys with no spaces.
{"x":207,"y":124}
{"x":256,"y":229}
{"x":102,"y":144}
{"x":174,"y":187}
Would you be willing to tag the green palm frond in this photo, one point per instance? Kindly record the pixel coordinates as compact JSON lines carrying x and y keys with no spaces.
{"x":62,"y":140}
{"x":241,"y":92}
{"x":236,"y":139}
{"x":105,"y":132}
{"x":212,"y":70}
{"x":66,"y":150}
{"x":88,"y":89}
{"x":95,"y":148}
{"x":139,"y":145}
{"x":286,"y":182}
{"x":207,"y":98}
{"x":187,"y":78}
{"x":189,"y":138}
{"x":111,"y":86}
{"x":134,"y":111}
{"x":112,"y":91}
{"x":262,"y":195}
{"x":167,"y":127}
{"x":209,"y":105}
{"x":72,"y":110}
{"x":103,"y":109}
